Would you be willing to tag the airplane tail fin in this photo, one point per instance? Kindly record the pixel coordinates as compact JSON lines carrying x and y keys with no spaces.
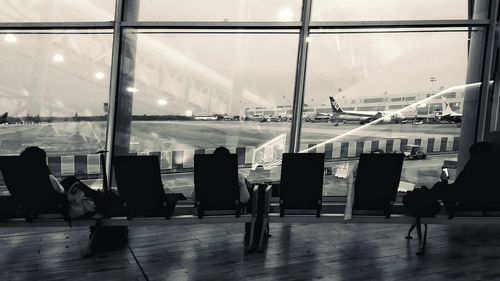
{"x":335,"y":106}
{"x":446,"y":108}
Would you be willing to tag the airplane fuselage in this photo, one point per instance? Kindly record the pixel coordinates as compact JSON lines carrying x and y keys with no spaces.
{"x":368,"y":116}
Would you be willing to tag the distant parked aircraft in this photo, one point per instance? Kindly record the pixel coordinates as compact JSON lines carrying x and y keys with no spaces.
{"x":448,"y":114}
{"x":364,"y":116}
{"x":3,"y":118}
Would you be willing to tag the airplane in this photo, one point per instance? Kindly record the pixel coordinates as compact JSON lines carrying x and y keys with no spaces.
{"x":3,"y":118}
{"x":448,"y":114}
{"x":364,"y":116}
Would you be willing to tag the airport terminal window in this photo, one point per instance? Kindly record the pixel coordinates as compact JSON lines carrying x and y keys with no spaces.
{"x":186,"y":91}
{"x":396,"y":106}
{"x":217,"y":10}
{"x":375,"y":10}
{"x":189,"y":96}
{"x":373,"y":100}
{"x":371,"y":108}
{"x":324,"y":110}
{"x":363,"y":64}
{"x":57,"y":10}
{"x":54,"y":88}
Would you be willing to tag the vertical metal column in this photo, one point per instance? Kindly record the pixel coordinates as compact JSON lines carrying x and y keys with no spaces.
{"x":478,"y":70}
{"x":114,"y":85}
{"x":495,"y":109}
{"x":300,"y":77}
{"x":484,"y":109}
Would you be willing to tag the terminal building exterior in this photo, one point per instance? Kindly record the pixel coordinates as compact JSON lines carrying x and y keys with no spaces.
{"x":369,"y":103}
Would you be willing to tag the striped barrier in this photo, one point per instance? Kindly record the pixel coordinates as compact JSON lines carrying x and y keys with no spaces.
{"x":183,"y":160}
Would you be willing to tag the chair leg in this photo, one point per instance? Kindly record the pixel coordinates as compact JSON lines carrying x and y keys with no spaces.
{"x":87,"y":252}
{"x":424,"y":242}
{"x":264,"y":229}
{"x":421,"y":240}
{"x":251,"y":236}
{"x":412,"y":227}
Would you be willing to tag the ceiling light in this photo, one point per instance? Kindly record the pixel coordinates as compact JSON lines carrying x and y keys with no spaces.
{"x":10,"y":38}
{"x":58,"y":58}
{"x":285,"y":14}
{"x":99,"y":75}
{"x":162,"y":102}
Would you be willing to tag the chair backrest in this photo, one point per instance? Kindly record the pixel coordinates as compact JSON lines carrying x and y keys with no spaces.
{"x":301,"y":184}
{"x":377,"y":181}
{"x":10,"y":166}
{"x":216,"y":182}
{"x":29,"y":184}
{"x":138,"y":179}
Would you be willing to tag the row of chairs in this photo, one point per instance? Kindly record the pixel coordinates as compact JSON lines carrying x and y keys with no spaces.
{"x":141,"y":197}
{"x":138,"y":180}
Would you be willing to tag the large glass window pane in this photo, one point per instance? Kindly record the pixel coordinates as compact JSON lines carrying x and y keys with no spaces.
{"x":56,"y":10}
{"x":366,"y":10}
{"x":412,"y":81}
{"x":215,"y":10}
{"x":54,"y":90}
{"x":190,"y":92}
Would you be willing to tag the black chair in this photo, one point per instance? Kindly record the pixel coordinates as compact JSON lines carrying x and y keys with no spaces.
{"x":138,"y":179}
{"x":29,"y":185}
{"x":301,"y":186}
{"x":217,"y":192}
{"x":377,"y":181}
{"x":216,"y":184}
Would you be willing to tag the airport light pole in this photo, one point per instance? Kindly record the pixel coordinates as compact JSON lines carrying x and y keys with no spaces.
{"x":432,"y":79}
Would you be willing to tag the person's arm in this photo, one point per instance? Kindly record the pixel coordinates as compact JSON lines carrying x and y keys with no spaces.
{"x":56,"y":184}
{"x":244,"y":195}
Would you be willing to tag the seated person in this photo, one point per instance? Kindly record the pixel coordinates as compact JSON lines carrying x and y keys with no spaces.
{"x":242,"y":182}
{"x":477,"y":187}
{"x":37,"y":157}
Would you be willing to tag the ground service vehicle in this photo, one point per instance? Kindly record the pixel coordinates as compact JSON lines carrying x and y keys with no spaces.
{"x":414,"y":152}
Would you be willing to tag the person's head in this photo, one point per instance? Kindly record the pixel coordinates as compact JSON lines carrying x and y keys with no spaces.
{"x":493,"y":138}
{"x":35,"y":157}
{"x":221,"y":151}
{"x":34,"y":154}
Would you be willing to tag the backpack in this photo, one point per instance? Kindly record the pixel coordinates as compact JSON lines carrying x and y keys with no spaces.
{"x":420,"y":203}
{"x":80,"y":205}
{"x":83,"y":201}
